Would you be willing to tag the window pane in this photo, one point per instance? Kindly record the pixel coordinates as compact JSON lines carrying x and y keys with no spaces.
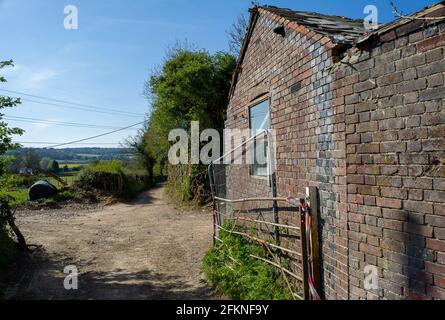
{"x":259,"y":167}
{"x":259,"y":117}
{"x":259,"y":120}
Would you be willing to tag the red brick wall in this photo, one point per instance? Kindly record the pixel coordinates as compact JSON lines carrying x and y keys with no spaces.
{"x":395,"y":127}
{"x":309,"y":124}
{"x":369,"y":133}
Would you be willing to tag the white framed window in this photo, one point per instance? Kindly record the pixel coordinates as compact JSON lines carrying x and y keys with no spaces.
{"x":259,"y":118}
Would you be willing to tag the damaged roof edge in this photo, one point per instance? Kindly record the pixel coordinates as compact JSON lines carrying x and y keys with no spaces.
{"x":335,"y":26}
{"x":340,"y":30}
{"x":431,"y":11}
{"x":255,"y":12}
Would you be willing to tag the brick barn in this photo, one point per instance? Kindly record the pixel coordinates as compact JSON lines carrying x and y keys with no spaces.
{"x":360,"y":115}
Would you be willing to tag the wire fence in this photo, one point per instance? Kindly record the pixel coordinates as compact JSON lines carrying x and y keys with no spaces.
{"x":246,"y":204}
{"x":62,"y":181}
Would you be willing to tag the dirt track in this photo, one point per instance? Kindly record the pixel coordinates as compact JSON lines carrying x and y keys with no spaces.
{"x":143,"y":250}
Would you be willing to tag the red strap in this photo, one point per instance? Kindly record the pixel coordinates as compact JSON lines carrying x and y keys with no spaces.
{"x":308,"y":223}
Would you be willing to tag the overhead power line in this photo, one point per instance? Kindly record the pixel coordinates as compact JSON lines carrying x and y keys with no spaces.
{"x":57,"y":123}
{"x":87,"y":106}
{"x":85,"y":143}
{"x":81,"y":109}
{"x":94,"y":137}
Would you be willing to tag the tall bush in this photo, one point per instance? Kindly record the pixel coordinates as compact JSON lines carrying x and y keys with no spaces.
{"x":192,"y":85}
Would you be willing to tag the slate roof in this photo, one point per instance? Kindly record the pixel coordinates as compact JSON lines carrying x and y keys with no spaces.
{"x":343,"y":31}
{"x":339,"y":29}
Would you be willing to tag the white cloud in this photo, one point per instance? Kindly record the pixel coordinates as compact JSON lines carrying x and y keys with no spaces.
{"x":30,"y":77}
{"x":11,"y":71}
{"x":46,"y":125}
{"x":43,"y":125}
{"x":40,"y":77}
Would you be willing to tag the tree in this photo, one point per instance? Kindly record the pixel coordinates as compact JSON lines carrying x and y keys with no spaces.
{"x":55,"y":166}
{"x":14,"y":164}
{"x":6,"y":144}
{"x":236,"y":34}
{"x":44,"y":163}
{"x":142,"y":158}
{"x":6,"y":133}
{"x":30,"y":160}
{"x":192,"y":85}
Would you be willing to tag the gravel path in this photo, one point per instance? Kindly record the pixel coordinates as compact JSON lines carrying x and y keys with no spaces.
{"x":143,"y":250}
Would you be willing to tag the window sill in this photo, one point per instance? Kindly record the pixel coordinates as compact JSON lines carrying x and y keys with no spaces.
{"x":259,"y":177}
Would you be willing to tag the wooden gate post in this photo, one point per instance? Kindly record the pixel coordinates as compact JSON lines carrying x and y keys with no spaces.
{"x":304,"y":255}
{"x":314,"y":205}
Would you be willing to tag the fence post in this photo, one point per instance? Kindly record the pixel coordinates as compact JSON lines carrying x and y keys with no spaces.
{"x":275,"y":209}
{"x":212,"y":190}
{"x":315,"y":213}
{"x":304,"y":254}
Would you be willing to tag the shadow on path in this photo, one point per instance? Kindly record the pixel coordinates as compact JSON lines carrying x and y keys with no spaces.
{"x":41,"y":277}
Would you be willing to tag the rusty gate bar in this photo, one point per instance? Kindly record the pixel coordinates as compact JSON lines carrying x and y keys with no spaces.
{"x":302,"y":256}
{"x":307,"y":260}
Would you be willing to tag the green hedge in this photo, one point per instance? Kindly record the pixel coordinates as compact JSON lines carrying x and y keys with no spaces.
{"x":112,"y":177}
{"x":247,"y":278}
{"x":188,"y":184}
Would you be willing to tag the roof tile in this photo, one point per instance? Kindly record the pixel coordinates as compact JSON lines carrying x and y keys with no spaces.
{"x":340,"y":30}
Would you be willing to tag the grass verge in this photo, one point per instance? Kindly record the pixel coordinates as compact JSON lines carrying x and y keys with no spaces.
{"x":19,"y":197}
{"x":230,"y":267}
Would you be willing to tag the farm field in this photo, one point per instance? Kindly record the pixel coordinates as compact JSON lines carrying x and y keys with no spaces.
{"x":19,"y":192}
{"x":69,"y":173}
{"x":73,"y":165}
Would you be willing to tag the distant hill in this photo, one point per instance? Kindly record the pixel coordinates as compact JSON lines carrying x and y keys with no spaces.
{"x":79,"y":154}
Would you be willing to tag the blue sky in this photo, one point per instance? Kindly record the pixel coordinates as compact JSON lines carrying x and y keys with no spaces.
{"x":106,"y":61}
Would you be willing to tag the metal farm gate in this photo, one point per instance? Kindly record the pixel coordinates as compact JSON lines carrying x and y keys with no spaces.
{"x":248,"y":206}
